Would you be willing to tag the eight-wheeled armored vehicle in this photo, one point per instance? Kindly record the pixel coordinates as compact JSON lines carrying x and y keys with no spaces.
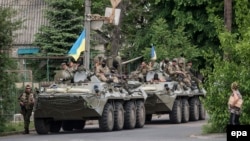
{"x":169,"y":97}
{"x":68,"y":106}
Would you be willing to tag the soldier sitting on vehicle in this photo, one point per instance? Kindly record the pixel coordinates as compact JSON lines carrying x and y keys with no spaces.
{"x":191,"y":73}
{"x":103,"y":73}
{"x":72,"y":66}
{"x":185,"y":77}
{"x":175,"y":72}
{"x":140,"y":72}
{"x":153,"y":65}
{"x":64,"y":75}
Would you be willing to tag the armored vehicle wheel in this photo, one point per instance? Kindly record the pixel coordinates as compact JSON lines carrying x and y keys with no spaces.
{"x":194,"y":109}
{"x":185,"y":110}
{"x":79,"y":124}
{"x":175,"y":115}
{"x":67,"y":125}
{"x":202,"y":112}
{"x":140,"y":114}
{"x":106,"y":122}
{"x":55,"y":126}
{"x":118,"y":116}
{"x":130,"y":115}
{"x":41,"y":126}
{"x":149,"y":118}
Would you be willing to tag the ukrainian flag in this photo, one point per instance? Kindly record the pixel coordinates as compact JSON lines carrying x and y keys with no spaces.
{"x":153,"y":53}
{"x":78,"y":46}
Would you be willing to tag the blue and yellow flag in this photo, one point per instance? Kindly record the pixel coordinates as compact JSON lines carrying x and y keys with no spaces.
{"x":78,"y":46}
{"x":153,"y":53}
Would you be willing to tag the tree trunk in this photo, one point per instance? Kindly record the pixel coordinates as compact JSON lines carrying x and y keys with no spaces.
{"x":227,"y":21}
{"x":228,"y":14}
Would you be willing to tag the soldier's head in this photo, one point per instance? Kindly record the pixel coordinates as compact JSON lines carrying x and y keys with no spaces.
{"x":104,"y":63}
{"x":64,"y":66}
{"x":234,"y":86}
{"x":189,"y":63}
{"x":71,"y":63}
{"x":27,"y":88}
{"x":174,"y":61}
{"x":166,"y":60}
{"x":143,"y":64}
{"x":181,"y":62}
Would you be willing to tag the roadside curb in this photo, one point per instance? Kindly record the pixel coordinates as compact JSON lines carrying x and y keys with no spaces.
{"x":209,"y":136}
{"x":89,"y":122}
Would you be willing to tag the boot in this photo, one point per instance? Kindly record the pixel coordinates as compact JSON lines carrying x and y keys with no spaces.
{"x":26,"y":131}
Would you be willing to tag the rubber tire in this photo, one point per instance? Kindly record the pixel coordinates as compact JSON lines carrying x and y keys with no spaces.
{"x":185,"y":110}
{"x":55,"y":126}
{"x":41,"y":126}
{"x":67,"y":125}
{"x":79,"y":124}
{"x":202,"y":111}
{"x":140,"y":114}
{"x":176,"y":113}
{"x":118,"y":116}
{"x":194,"y":109}
{"x":106,"y":122}
{"x":149,"y":118}
{"x":130,"y":115}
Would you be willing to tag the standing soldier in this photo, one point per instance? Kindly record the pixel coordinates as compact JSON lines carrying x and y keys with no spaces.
{"x":26,"y":101}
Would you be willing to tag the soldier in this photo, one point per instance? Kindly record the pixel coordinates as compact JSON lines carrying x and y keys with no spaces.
{"x":142,"y":71}
{"x":66,"y":75}
{"x":166,"y":65}
{"x":26,"y":101}
{"x":153,"y":65}
{"x":102,"y":70}
{"x":72,"y":66}
{"x":191,"y":73}
{"x":185,"y":77}
{"x":173,"y":70}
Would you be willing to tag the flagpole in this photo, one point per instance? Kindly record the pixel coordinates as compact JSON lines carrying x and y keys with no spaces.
{"x":87,"y":37}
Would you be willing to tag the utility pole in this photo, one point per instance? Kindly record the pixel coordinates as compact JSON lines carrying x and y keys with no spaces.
{"x":87,"y":33}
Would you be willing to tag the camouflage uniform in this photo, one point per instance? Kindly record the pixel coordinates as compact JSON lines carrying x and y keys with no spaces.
{"x":26,"y":101}
{"x":172,"y":70}
{"x":153,"y":65}
{"x":190,"y":72}
{"x":64,"y":75}
{"x":102,"y":70}
{"x":186,"y":77}
{"x":166,"y":66}
{"x":142,"y":71}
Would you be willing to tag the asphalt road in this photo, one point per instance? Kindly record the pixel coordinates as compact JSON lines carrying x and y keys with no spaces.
{"x":159,"y":130}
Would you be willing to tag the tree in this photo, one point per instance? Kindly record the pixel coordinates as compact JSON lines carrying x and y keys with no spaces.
{"x":234,"y":68}
{"x":65,"y":23}
{"x":7,"y":26}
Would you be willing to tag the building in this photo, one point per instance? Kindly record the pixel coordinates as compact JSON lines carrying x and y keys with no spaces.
{"x":31,"y":12}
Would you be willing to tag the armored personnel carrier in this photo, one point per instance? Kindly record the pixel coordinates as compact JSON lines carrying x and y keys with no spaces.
{"x":169,"y":97}
{"x":68,"y":106}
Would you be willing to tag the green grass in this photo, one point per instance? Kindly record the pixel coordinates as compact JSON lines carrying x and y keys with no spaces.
{"x":15,"y":127}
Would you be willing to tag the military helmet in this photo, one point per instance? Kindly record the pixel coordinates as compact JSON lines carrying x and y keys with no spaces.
{"x":181,"y":60}
{"x":174,"y":60}
{"x":166,"y":59}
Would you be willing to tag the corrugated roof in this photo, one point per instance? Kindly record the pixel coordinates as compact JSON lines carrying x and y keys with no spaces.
{"x":32,"y":12}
